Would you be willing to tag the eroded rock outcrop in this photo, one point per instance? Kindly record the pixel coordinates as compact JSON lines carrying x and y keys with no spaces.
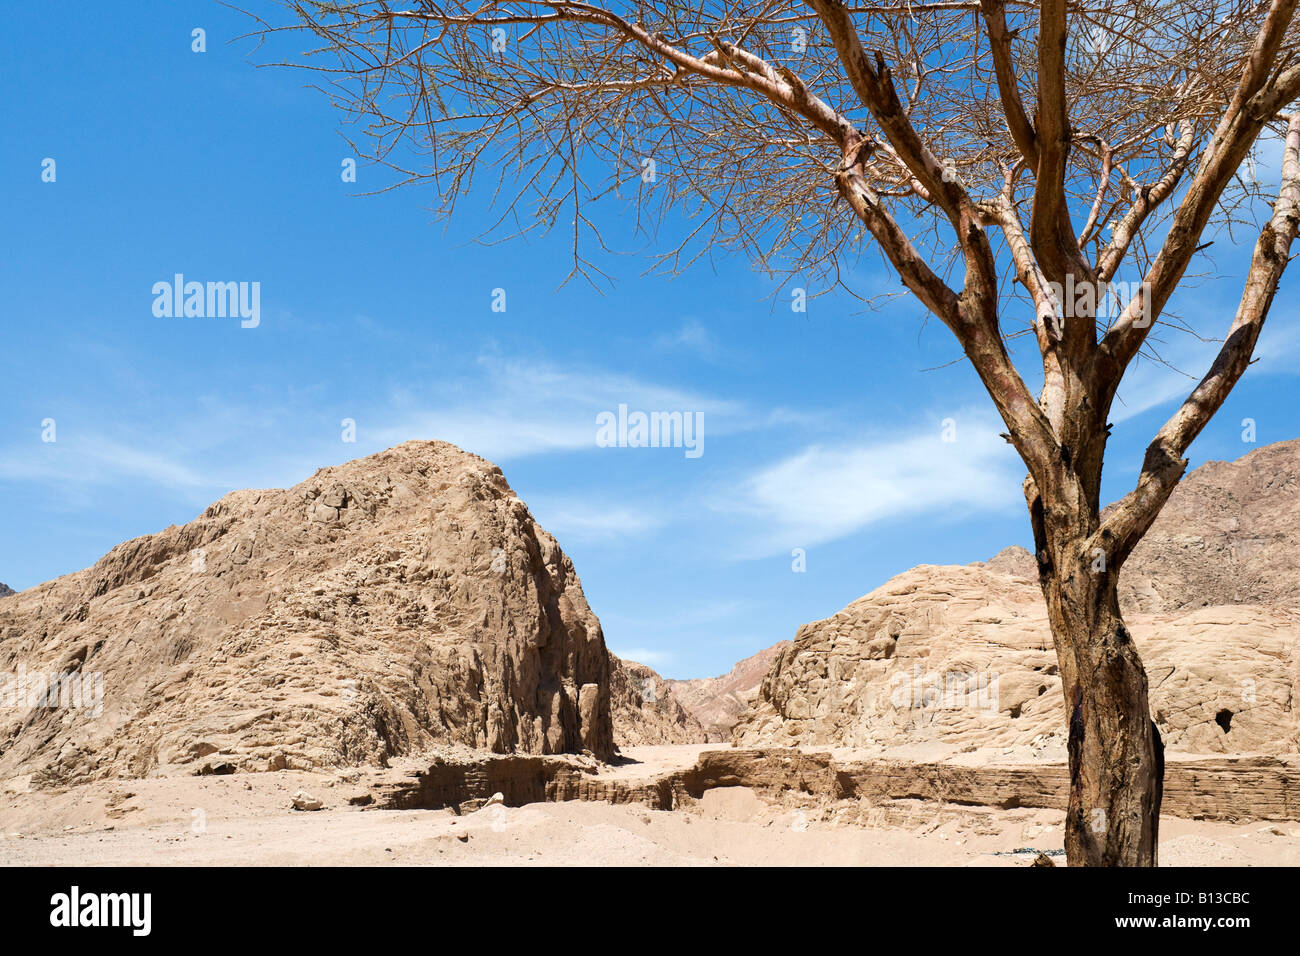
{"x":853,"y":788}
{"x":380,"y":607}
{"x":956,"y":658}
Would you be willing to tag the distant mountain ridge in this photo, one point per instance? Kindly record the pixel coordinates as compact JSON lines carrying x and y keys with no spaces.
{"x":717,"y":702}
{"x":650,"y":709}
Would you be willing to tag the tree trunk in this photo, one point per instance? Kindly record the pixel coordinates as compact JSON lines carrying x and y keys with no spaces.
{"x":1116,"y":754}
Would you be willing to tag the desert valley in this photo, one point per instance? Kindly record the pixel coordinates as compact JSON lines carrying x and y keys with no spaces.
{"x":391,"y":662}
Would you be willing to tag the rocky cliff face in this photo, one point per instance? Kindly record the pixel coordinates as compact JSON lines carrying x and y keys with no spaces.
{"x":1230,"y":534}
{"x":956,"y":658}
{"x":6,"y":590}
{"x":383,"y":606}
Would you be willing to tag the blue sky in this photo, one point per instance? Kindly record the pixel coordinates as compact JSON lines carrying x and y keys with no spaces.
{"x":822,"y":430}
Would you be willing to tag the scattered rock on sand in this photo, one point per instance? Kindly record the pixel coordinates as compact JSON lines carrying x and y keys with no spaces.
{"x":305,"y":801}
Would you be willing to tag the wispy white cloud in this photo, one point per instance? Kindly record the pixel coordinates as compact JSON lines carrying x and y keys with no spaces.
{"x":823,"y":493}
{"x":513,"y":409}
{"x":1264,"y":164}
{"x":592,"y":520}
{"x":99,"y":460}
{"x":501,"y":409}
{"x":644,"y":655}
{"x":1150,"y":384}
{"x":690,"y":336}
{"x":639,"y":638}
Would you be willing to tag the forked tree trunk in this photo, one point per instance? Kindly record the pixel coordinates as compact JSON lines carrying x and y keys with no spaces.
{"x":1115,"y":751}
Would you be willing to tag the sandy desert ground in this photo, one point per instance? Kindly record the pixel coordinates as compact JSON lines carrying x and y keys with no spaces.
{"x":246,"y":819}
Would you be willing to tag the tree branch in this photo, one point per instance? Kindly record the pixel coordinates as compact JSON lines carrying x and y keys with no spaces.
{"x":1018,"y":124}
{"x":1164,"y":464}
{"x":1254,"y":103}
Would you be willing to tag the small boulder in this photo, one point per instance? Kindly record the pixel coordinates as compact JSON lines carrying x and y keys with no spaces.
{"x":305,"y":801}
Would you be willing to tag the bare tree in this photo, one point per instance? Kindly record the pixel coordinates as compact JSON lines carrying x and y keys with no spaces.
{"x":1021,"y":166}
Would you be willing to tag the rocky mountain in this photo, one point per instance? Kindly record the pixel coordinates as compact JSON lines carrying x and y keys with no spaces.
{"x":954,"y":658}
{"x":1230,"y":534}
{"x":646,"y":709}
{"x":717,"y":702}
{"x":6,"y":590}
{"x":386,"y":605}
